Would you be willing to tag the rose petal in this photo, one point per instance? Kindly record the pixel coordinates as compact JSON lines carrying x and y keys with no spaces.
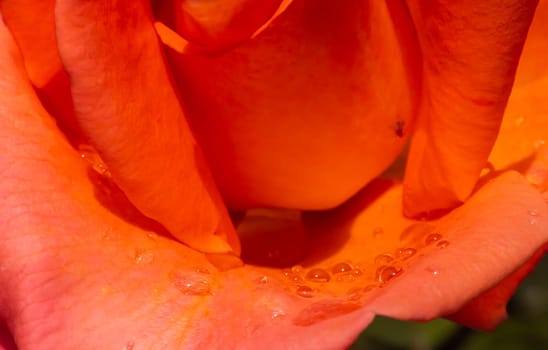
{"x":131,"y":113}
{"x":153,"y":291}
{"x":524,"y":131}
{"x":489,"y":309}
{"x":495,"y":232}
{"x":32,"y":26}
{"x":470,"y":54}
{"x":296,"y":116}
{"x":217,"y":25}
{"x":80,"y":277}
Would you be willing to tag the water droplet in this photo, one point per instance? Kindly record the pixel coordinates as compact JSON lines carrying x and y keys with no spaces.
{"x":341,"y":268}
{"x":532,"y":212}
{"x":387,"y":273}
{"x":383,"y":259}
{"x":152,"y":236}
{"x":143,"y":256}
{"x":191,"y":282}
{"x":297,"y":269}
{"x":263,"y":280}
{"x":442,"y":244}
{"x":532,"y":221}
{"x":305,"y":291}
{"x":318,"y":275}
{"x":277,"y":313}
{"x":435,"y":272}
{"x":109,"y":234}
{"x":292,"y":276}
{"x":377,"y":232}
{"x":130,"y":345}
{"x":90,"y":155}
{"x":405,"y":253}
{"x":434,"y":237}
{"x":357,"y":272}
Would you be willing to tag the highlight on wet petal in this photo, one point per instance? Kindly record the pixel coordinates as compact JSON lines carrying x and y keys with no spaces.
{"x":467,"y":76}
{"x":135,"y":120}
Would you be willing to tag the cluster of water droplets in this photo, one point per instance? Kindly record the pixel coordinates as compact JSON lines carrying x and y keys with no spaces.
{"x":533,"y":216}
{"x":197,"y":281}
{"x":309,"y":283}
{"x":89,"y":154}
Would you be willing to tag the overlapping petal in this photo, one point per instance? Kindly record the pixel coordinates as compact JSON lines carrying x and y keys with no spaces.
{"x":132,"y":115}
{"x":470,"y":54}
{"x":153,"y":291}
{"x":268,"y":112}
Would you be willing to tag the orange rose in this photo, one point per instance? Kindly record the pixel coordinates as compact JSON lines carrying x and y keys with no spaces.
{"x":294,"y":105}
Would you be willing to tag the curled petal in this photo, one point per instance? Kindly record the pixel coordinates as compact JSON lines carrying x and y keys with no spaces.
{"x":127,"y":107}
{"x":470,"y":54}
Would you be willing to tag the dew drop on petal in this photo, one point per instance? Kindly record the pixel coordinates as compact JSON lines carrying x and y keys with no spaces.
{"x":297,"y":278}
{"x":153,"y":236}
{"x":263,"y":280}
{"x":433,"y":271}
{"x":405,"y":253}
{"x":532,"y":212}
{"x":305,"y":291}
{"x":318,"y":275}
{"x":434,"y":237}
{"x":297,"y":269}
{"x":383,"y":259}
{"x":519,"y":120}
{"x":109,"y":234}
{"x":341,"y":268}
{"x":387,"y":273}
{"x":357,"y":272}
{"x":277,"y":313}
{"x":191,"y":282}
{"x":442,"y":244}
{"x":89,"y":154}
{"x":143,"y":256}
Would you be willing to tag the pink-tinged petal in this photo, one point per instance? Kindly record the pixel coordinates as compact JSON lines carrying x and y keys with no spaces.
{"x":498,"y":230}
{"x":81,"y":277}
{"x":470,"y":52}
{"x":309,"y":110}
{"x":128,"y":109}
{"x":489,"y":309}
